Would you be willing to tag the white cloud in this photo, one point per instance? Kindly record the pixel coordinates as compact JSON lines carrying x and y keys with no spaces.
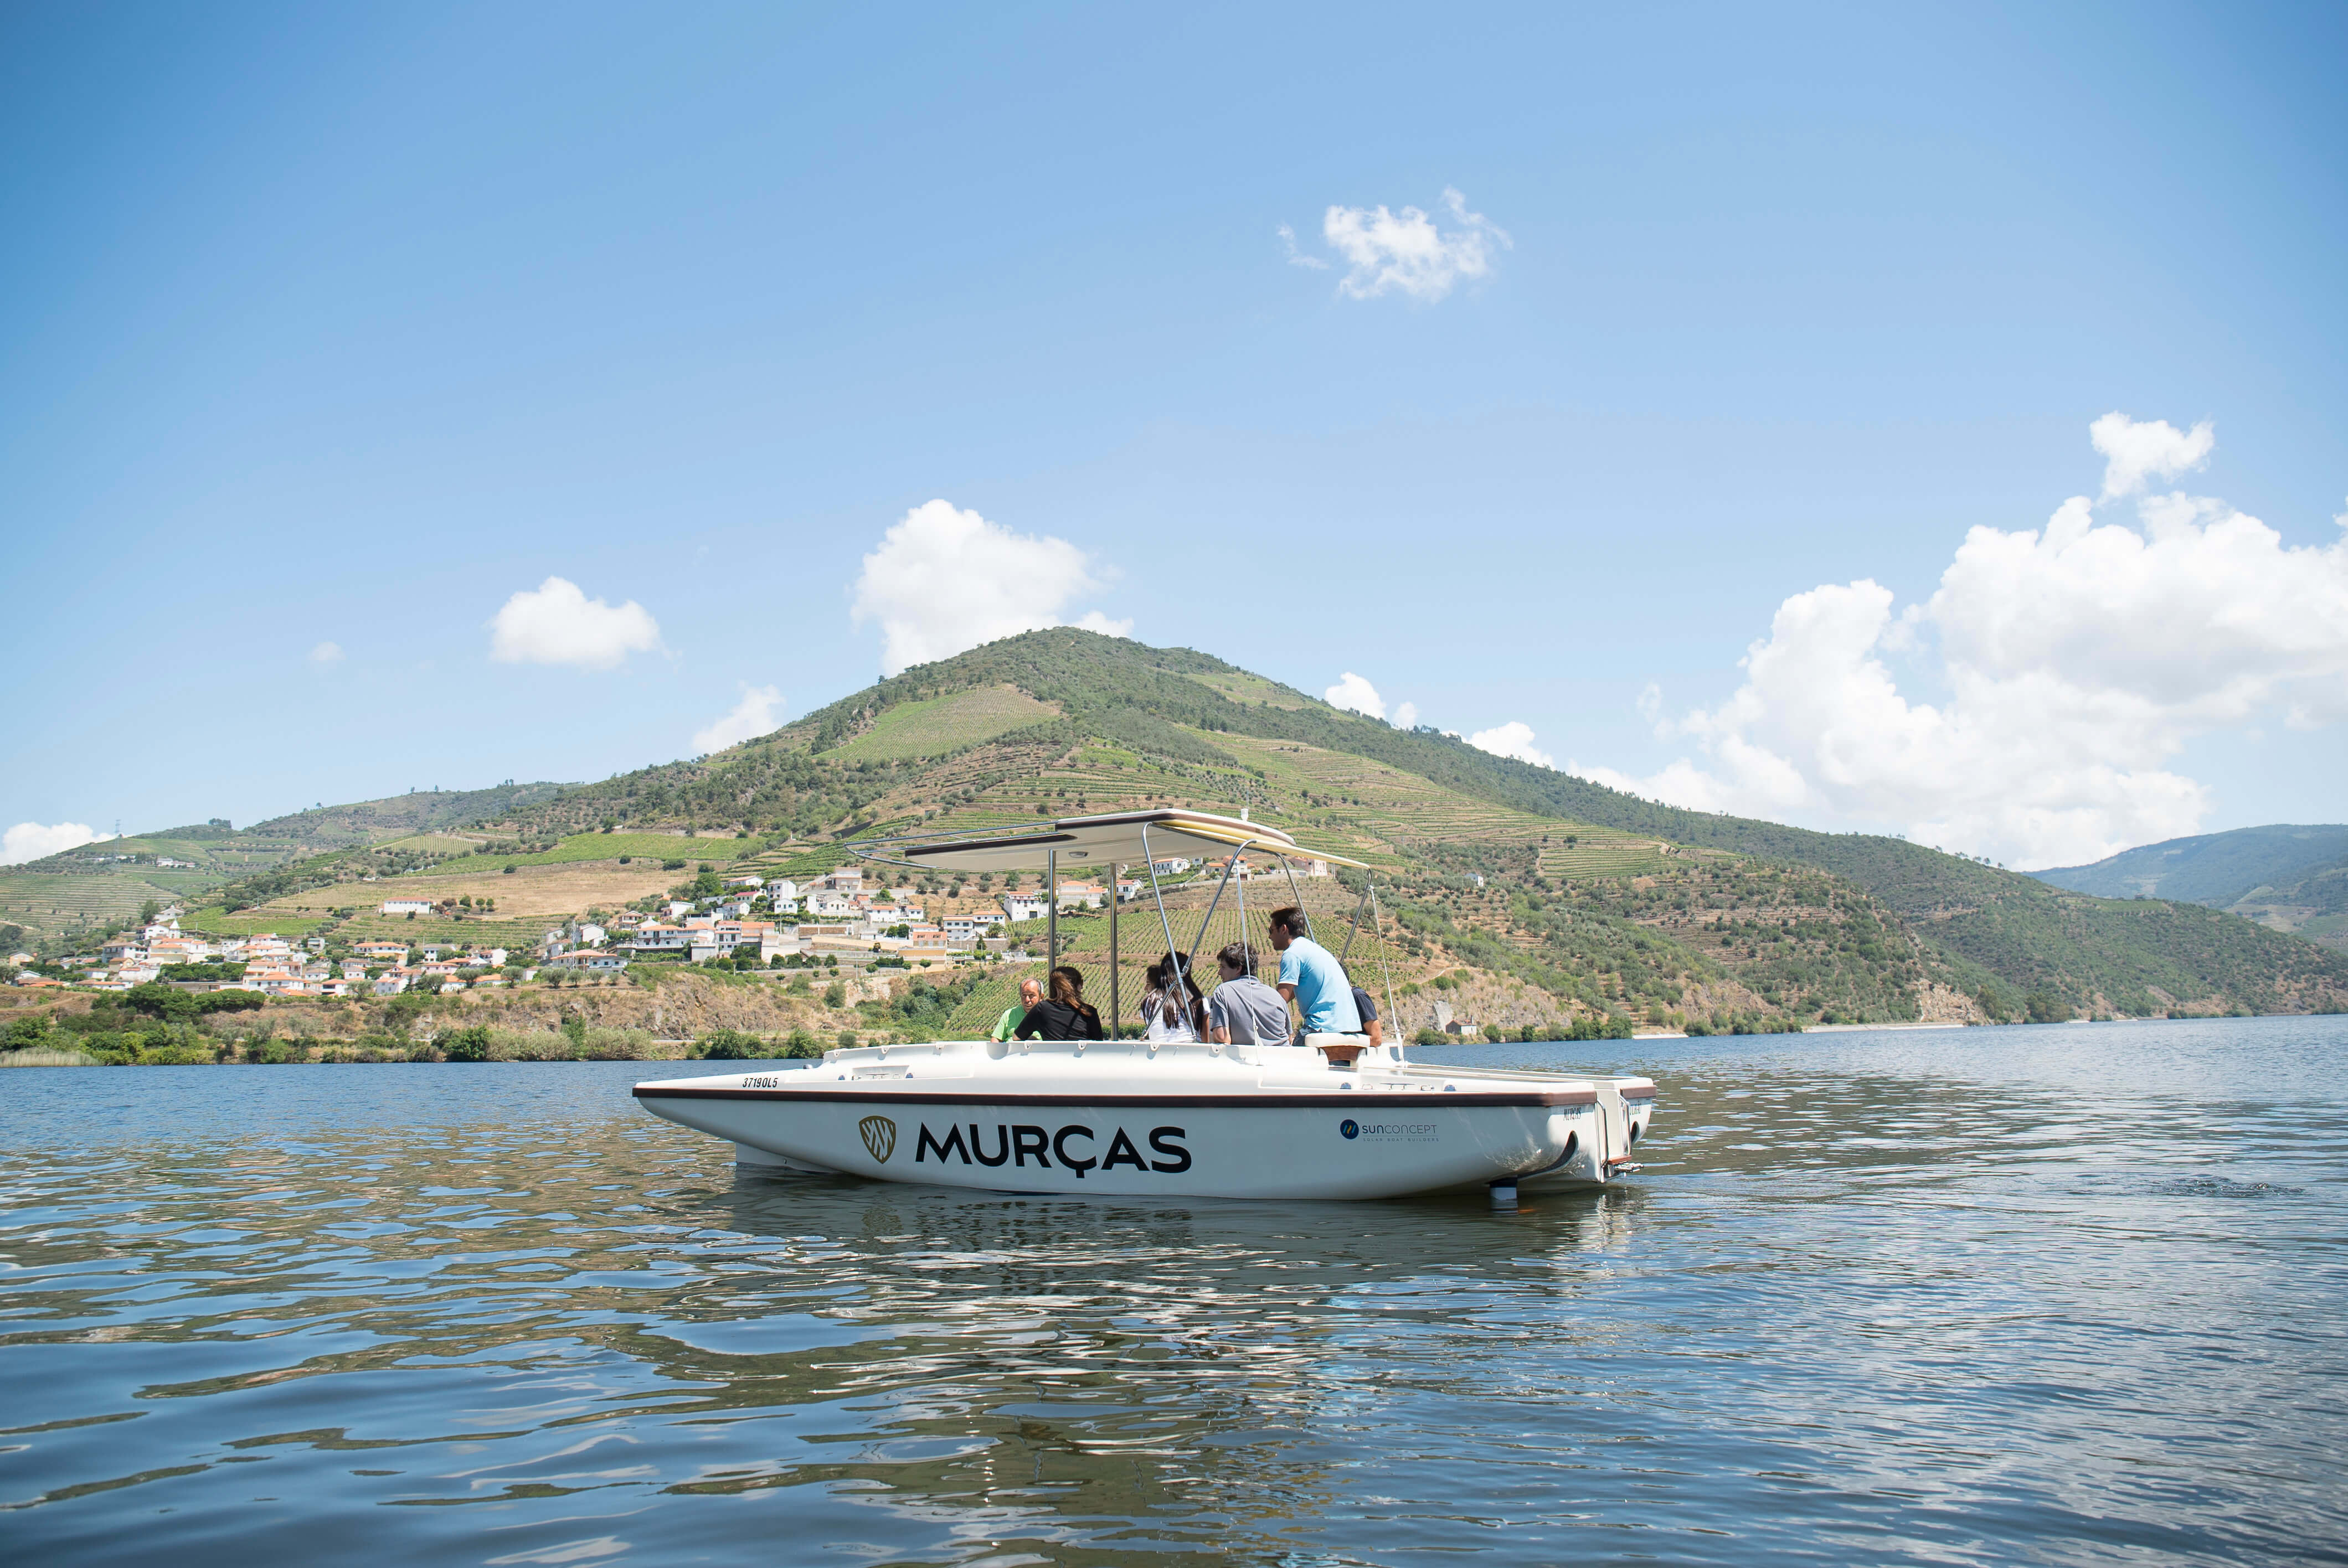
{"x":1355,"y":694}
{"x":751,"y":717}
{"x":557,"y":624}
{"x":1513,"y":739}
{"x":944,"y":580}
{"x":1406,"y":716}
{"x":2148,"y":450}
{"x":1297,"y":258}
{"x":2078,"y":659}
{"x":32,"y":840}
{"x":326,"y":653}
{"x":1386,"y":251}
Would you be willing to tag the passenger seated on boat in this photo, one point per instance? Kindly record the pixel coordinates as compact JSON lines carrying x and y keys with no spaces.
{"x":1244,"y":1010}
{"x":1030,"y":993}
{"x":1068,"y":1016}
{"x":1168,"y":1011}
{"x":1312,"y":977}
{"x":1368,"y":1012}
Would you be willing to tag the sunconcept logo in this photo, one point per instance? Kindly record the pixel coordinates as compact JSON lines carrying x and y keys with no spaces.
{"x":1350,"y":1128}
{"x":1410,"y":1131}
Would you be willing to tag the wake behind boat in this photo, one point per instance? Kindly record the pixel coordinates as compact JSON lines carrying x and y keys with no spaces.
{"x":1156,"y":1118}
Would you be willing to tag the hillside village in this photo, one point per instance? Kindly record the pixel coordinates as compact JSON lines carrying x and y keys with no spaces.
{"x":748,"y":921}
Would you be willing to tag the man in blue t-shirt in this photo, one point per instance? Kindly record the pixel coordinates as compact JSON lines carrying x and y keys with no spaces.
{"x":1312,"y":977}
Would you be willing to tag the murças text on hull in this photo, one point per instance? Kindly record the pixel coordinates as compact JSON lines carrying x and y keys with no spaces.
{"x":1147,"y":1118}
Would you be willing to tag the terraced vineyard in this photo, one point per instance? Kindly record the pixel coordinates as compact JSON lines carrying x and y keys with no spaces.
{"x":1378,"y":813}
{"x":542,"y":894}
{"x":435,"y":844}
{"x":51,"y":904}
{"x":945,"y":724}
{"x":1240,"y":686}
{"x":656,"y":848}
{"x":213,"y":921}
{"x":1585,"y":852}
{"x":518,"y":935}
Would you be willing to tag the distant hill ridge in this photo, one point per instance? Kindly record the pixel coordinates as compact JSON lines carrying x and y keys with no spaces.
{"x":2212,"y":868}
{"x":2291,"y":878}
{"x":106,"y":882}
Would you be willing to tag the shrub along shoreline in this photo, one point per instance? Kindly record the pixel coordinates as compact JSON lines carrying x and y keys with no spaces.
{"x":176,"y":1044}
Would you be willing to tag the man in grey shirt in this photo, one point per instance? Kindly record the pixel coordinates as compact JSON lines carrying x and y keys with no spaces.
{"x":1244,"y":1010}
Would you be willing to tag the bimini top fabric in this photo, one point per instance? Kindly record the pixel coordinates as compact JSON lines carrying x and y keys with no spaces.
{"x":1119,"y":838}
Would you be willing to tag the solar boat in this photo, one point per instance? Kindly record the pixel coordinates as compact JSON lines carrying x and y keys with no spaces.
{"x":1328,"y":1117}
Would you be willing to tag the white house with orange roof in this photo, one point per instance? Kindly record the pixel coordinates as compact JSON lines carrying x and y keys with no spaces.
{"x":1025,"y":907}
{"x":659,"y":937}
{"x":589,"y":960}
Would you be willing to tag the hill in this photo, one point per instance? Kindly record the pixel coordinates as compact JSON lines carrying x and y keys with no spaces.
{"x":1720,"y":917}
{"x":2293,"y":878}
{"x":1517,"y":896}
{"x":2218,"y":869}
{"x":89,"y":888}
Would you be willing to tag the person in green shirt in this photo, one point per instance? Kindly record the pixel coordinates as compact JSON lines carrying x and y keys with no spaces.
{"x":1030,"y":993}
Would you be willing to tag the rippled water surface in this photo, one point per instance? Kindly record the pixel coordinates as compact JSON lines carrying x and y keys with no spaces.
{"x":2068,"y":1294}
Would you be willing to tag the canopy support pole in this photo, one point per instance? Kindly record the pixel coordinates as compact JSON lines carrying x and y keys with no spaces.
{"x":1244,"y":943}
{"x":1230,"y":869}
{"x":1357,"y":924}
{"x":1296,"y":893}
{"x":1051,"y":916}
{"x":1158,"y":895}
{"x":1384,"y":967}
{"x":1115,"y":1011}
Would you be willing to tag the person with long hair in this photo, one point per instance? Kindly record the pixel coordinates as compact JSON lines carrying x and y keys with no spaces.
{"x":1170,"y":1012}
{"x":1066,"y":1015}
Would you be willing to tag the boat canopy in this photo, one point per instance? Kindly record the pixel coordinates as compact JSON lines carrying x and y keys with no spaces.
{"x":1117,"y":838}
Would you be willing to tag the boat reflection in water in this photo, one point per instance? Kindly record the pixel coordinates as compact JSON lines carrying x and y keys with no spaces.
{"x":1050,"y":1366}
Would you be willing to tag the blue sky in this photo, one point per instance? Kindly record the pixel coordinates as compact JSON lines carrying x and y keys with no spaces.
{"x":345,"y":326}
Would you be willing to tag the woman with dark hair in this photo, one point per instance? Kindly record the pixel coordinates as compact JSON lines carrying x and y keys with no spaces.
{"x":1066,"y":1015}
{"x":1171,"y":1012}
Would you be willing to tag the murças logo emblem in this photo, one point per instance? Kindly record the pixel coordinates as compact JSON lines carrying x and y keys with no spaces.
{"x":880,"y":1136}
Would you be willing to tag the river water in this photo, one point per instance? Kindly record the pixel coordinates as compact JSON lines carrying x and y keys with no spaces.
{"x":2068,"y":1294}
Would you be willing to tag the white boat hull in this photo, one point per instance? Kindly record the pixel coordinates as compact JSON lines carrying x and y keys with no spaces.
{"x":1123,"y":1120}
